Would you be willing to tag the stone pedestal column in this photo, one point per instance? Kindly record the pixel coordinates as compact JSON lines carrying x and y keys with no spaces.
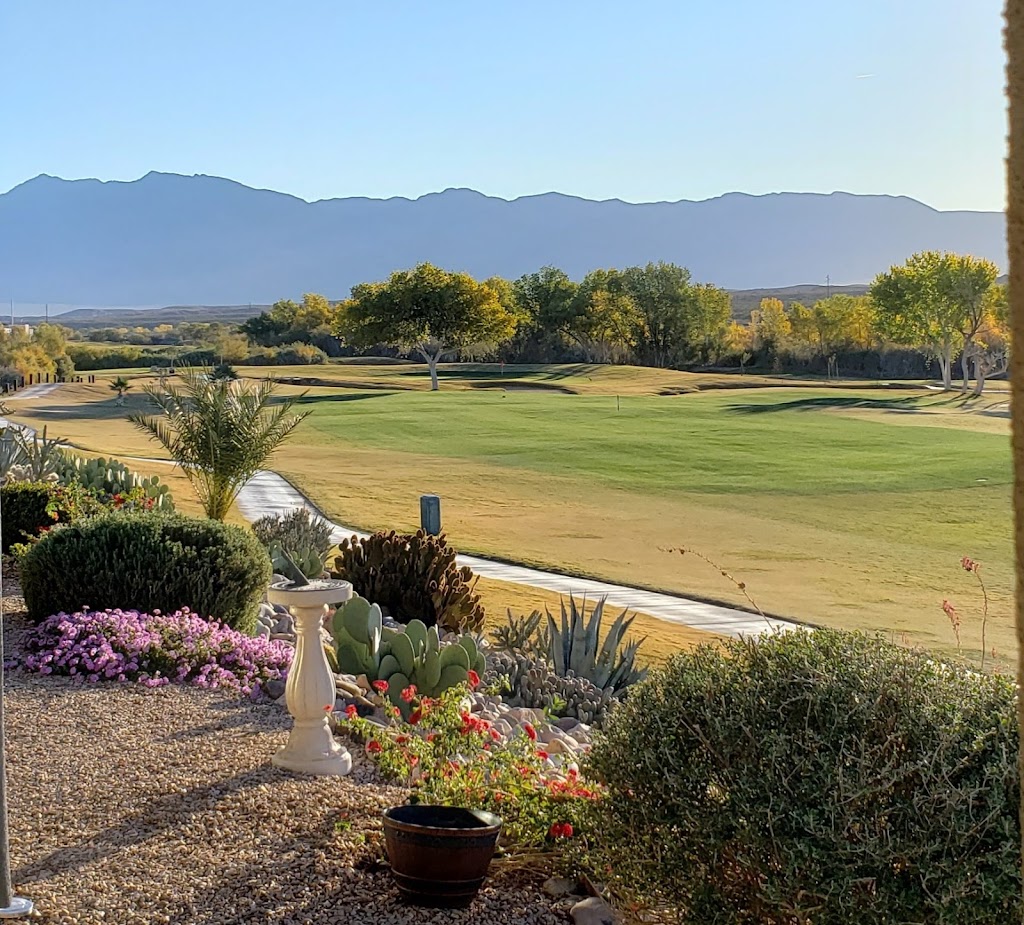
{"x":311,"y":747}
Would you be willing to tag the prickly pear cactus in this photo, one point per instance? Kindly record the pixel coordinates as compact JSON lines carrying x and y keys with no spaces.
{"x":415,"y":656}
{"x":109,"y":477}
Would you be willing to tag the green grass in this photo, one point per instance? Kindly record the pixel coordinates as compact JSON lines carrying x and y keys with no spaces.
{"x":836,"y":505}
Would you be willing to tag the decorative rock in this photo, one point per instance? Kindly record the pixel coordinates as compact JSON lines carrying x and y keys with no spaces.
{"x":263,"y":630}
{"x":267,"y":615}
{"x":567,"y":723}
{"x":274,"y":688}
{"x":559,"y":886}
{"x":594,"y":911}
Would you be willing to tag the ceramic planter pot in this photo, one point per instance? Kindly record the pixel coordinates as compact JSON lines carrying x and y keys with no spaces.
{"x":439,"y":854}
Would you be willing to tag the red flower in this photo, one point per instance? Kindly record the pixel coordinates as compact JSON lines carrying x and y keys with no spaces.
{"x":328,"y":708}
{"x":374,"y":748}
{"x":473,"y":678}
{"x":542,"y":755}
{"x":495,"y":735}
{"x":561,"y":830}
{"x":409,"y":693}
{"x":531,"y":733}
{"x":380,"y":687}
{"x":969,"y":565}
{"x":415,"y":717}
{"x":401,"y":740}
{"x":351,"y":712}
{"x":431,"y":736}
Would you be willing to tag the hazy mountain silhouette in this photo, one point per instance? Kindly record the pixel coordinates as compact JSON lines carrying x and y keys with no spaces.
{"x":167,"y":238}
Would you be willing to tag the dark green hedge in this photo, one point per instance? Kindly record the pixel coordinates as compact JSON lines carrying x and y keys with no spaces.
{"x":29,"y":507}
{"x":147,"y":562}
{"x":828,"y":778}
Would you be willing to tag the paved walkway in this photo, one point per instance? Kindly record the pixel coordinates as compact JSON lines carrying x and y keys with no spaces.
{"x":269,"y":493}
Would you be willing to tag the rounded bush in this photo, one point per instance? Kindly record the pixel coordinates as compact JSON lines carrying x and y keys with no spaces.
{"x":148,"y":562}
{"x":818,"y":777}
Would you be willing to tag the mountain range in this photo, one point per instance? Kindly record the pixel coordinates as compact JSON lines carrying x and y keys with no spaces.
{"x":187,"y":240}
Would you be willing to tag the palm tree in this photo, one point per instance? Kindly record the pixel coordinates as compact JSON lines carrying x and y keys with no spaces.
{"x":120,"y":385}
{"x":220,"y":432}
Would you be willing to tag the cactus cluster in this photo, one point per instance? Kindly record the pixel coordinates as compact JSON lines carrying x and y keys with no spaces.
{"x":415,"y":577}
{"x":523,"y":634}
{"x":529,"y":682}
{"x":364,"y":646}
{"x":109,"y":477}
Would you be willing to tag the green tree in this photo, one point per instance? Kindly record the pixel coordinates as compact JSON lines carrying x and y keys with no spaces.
{"x":710,"y":321}
{"x":666,"y":306}
{"x":934,"y":302}
{"x":220,"y":432}
{"x":772,"y":329}
{"x":429,"y":310}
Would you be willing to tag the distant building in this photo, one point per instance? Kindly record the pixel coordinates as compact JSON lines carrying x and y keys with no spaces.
{"x":25,"y":329}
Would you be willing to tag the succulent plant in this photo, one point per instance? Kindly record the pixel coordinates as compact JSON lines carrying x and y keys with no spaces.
{"x":299,"y":565}
{"x":529,"y":682}
{"x":414,"y":576}
{"x":363,"y":645}
{"x":112,"y":477}
{"x":576,"y":648}
{"x":523,"y":634}
{"x":40,"y":455}
{"x":298,"y":529}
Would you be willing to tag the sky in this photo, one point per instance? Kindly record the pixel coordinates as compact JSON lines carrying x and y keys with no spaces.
{"x":640,"y":100}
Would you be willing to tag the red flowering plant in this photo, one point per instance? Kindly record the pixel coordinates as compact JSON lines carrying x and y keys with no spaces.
{"x":449,"y":756}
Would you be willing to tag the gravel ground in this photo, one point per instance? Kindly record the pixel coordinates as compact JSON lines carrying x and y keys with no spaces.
{"x":139,"y":807}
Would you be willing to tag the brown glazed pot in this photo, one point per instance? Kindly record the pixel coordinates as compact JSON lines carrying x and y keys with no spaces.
{"x":439,"y":854}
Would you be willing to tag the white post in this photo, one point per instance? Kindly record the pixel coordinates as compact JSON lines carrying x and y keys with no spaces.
{"x":310,"y":689}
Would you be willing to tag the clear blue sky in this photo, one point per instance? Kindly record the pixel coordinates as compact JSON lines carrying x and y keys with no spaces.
{"x":638,"y":99}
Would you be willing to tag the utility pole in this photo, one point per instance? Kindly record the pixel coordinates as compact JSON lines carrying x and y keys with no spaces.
{"x":828,"y":286}
{"x":47,"y":312}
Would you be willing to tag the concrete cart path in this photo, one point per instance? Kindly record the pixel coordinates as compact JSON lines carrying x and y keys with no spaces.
{"x":269,"y":493}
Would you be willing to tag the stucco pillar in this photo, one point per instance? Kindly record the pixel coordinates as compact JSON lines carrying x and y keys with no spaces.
{"x":1014,"y":38}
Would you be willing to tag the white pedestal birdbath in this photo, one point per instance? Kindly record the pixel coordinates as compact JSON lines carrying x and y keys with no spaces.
{"x":311,"y":747}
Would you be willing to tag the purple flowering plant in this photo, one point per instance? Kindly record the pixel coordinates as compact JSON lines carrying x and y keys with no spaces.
{"x":153,"y":649}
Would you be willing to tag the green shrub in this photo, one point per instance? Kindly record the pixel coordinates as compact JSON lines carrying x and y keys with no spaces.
{"x":415,"y":577}
{"x":148,"y":562}
{"x":828,"y":778}
{"x":31,"y":507}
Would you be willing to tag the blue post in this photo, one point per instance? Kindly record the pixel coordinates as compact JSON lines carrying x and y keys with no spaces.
{"x":430,"y":514}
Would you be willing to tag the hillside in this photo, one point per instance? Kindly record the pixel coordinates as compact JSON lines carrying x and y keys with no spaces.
{"x":171,"y":239}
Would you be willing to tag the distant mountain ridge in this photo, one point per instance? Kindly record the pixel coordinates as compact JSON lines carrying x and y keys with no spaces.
{"x":195,"y":240}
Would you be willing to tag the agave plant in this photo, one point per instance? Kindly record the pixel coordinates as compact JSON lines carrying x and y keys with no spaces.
{"x":220,"y":432}
{"x":40,"y":456}
{"x":10,"y":452}
{"x":576,"y":647}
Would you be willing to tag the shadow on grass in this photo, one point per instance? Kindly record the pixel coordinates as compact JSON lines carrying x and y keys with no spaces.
{"x":511,"y":373}
{"x":907,"y":404}
{"x":323,"y":399}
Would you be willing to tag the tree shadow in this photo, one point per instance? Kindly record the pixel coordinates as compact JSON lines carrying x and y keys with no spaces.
{"x":323,"y":399}
{"x":907,"y":404}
